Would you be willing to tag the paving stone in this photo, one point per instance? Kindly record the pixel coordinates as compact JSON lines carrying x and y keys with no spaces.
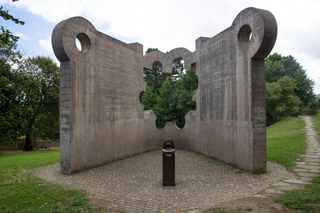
{"x":312,"y":156}
{"x":273,"y":191}
{"x":193,"y":211}
{"x":307,"y":174}
{"x":314,"y":164}
{"x":259,"y":196}
{"x":307,"y":167}
{"x":306,"y":178}
{"x":300,"y":163}
{"x":288,"y":188}
{"x":135,"y":183}
{"x":317,"y":171}
{"x":296,"y":181}
{"x":280,"y":184}
{"x":312,"y":160}
{"x":301,"y":170}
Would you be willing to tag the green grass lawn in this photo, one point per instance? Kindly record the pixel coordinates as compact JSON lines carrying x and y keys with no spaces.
{"x":23,"y":192}
{"x":29,"y":160}
{"x":285,"y":141}
{"x":303,"y":200}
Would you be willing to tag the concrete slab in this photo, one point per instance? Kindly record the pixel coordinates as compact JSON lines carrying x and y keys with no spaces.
{"x":300,"y":163}
{"x":301,"y":170}
{"x":273,"y":191}
{"x":296,"y":181}
{"x":307,"y":174}
{"x":307,"y":167}
{"x":306,"y":178}
{"x":290,"y":188}
{"x":280,"y":184}
{"x":314,"y":164}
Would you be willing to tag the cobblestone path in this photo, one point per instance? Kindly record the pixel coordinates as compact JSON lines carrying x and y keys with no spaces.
{"x":310,"y":166}
{"x":135,"y":184}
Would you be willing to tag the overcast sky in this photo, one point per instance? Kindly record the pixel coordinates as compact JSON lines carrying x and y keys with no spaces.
{"x":168,"y":24}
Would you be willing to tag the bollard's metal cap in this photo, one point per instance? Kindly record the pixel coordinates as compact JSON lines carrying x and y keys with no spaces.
{"x":168,"y":146}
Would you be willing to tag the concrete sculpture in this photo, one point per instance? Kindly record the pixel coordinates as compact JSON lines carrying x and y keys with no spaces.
{"x":102,"y":120}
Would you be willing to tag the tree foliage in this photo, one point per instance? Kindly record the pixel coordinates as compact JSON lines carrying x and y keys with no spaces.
{"x":281,"y":99}
{"x":154,"y":77}
{"x":174,"y":99}
{"x":29,"y":100}
{"x":29,"y":94}
{"x":277,"y":66}
{"x":183,"y":95}
{"x":151,"y":49}
{"x":11,"y":96}
{"x":7,"y":39}
{"x":177,"y":70}
{"x":165,"y":106}
{"x":41,"y":99}
{"x":10,"y":84}
{"x":149,"y":99}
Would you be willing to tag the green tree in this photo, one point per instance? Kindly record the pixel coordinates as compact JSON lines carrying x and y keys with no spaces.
{"x":281,"y":99}
{"x":11,"y":82}
{"x":151,"y":49}
{"x":177,"y":70}
{"x":7,"y":39}
{"x":277,"y":66}
{"x":173,"y":92}
{"x":165,"y":108}
{"x":11,"y":96}
{"x":149,"y":99}
{"x":41,"y":99}
{"x":154,"y":77}
{"x":173,"y":102}
{"x":183,"y":95}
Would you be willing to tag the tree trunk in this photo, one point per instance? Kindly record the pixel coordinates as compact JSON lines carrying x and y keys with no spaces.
{"x":28,"y":145}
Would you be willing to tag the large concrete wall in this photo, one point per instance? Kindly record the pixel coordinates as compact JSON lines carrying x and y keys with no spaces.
{"x":102,"y":120}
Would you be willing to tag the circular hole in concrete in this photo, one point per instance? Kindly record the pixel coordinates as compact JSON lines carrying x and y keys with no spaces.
{"x":245,"y":34}
{"x":178,"y":67}
{"x":78,"y":44}
{"x":83,"y":42}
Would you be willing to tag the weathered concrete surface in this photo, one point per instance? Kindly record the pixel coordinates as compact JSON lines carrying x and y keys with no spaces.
{"x":102,"y":120}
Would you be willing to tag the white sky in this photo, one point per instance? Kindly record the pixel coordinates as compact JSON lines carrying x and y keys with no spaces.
{"x":168,"y":24}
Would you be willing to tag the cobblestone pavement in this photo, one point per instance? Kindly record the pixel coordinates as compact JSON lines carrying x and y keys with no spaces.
{"x":135,"y":184}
